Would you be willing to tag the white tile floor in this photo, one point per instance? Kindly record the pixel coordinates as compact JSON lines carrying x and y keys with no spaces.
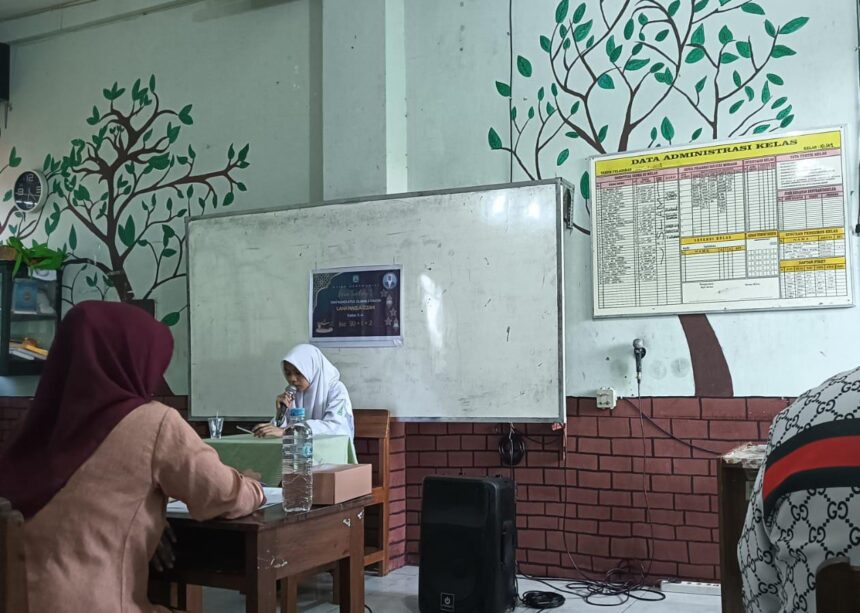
{"x":398,"y":593}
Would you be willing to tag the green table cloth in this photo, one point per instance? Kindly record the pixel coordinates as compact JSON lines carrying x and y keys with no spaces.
{"x":263,"y":455}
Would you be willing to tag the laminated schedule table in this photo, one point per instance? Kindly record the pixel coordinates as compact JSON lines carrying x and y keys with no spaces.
{"x":747,"y":224}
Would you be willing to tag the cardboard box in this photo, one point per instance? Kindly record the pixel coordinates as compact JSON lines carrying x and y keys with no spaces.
{"x":335,"y":483}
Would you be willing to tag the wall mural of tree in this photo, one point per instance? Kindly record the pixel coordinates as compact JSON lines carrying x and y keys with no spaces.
{"x":125,"y":190}
{"x":653,"y":57}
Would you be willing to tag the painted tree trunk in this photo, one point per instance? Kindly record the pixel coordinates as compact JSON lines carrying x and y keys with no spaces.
{"x":711,"y":374}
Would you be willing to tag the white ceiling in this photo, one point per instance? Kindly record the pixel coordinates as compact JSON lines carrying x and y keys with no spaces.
{"x":13,"y":8}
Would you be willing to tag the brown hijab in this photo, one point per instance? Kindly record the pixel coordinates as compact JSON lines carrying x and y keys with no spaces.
{"x":107,"y":360}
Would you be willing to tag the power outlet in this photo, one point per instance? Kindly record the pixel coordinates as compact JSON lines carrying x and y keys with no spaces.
{"x":606,"y":398}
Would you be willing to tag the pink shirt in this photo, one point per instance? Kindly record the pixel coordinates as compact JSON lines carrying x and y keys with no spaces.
{"x":89,"y":548}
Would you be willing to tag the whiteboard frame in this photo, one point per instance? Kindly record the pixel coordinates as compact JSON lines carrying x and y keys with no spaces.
{"x":563,"y":189}
{"x":655,"y":311}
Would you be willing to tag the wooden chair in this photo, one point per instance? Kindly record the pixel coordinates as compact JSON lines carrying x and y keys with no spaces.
{"x":837,"y":587}
{"x":374,"y":424}
{"x":13,"y":579}
{"x":370,"y":424}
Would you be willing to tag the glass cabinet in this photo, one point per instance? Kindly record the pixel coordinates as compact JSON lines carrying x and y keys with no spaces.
{"x":29,"y":314}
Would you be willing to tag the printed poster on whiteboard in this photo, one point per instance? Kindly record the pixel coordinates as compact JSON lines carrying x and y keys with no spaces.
{"x":356,"y":307}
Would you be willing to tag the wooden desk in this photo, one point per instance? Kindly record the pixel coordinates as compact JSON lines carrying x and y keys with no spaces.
{"x":252,"y":553}
{"x":736,"y":473}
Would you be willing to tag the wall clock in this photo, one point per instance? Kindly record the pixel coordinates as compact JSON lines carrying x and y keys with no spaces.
{"x":31,"y":191}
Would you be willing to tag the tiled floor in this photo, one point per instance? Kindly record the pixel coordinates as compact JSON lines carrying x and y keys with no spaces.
{"x":398,"y":593}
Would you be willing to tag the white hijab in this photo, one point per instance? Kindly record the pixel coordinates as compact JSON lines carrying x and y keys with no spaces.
{"x":320,"y":373}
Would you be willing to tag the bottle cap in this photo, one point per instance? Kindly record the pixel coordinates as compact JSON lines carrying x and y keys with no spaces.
{"x":297,"y":412}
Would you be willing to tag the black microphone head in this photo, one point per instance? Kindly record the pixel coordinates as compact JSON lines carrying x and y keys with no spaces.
{"x":638,"y":344}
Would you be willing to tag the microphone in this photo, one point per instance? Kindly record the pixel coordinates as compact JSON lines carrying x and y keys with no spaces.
{"x":638,"y":354}
{"x":282,"y":409}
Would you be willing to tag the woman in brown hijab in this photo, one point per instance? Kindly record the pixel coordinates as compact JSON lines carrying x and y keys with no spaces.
{"x":96,"y":459}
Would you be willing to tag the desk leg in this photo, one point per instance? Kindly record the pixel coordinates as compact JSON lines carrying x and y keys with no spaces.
{"x":261,"y":592}
{"x":351,"y":569}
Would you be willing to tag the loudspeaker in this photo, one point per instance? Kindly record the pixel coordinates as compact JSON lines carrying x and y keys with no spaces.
{"x":468,"y":545}
{"x":4,"y":72}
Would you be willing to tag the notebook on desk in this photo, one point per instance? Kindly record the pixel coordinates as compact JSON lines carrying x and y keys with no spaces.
{"x":274,"y":496}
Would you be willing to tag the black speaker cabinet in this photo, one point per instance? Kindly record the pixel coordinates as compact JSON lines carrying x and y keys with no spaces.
{"x":468,"y":545}
{"x":4,"y":72}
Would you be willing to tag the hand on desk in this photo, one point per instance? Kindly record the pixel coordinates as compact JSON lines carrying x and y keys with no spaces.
{"x":267,"y":431}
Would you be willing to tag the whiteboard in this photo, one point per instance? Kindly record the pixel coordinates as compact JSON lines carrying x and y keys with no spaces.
{"x":750,"y":223}
{"x":482,"y":310}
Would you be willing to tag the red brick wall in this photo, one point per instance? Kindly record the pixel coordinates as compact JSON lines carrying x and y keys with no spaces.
{"x":591,"y":500}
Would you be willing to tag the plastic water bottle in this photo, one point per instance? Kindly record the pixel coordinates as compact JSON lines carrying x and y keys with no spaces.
{"x":298,"y":454}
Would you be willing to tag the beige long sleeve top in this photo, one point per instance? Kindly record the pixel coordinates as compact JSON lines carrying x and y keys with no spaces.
{"x":89,"y":548}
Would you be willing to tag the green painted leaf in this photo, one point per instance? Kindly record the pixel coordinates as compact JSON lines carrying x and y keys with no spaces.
{"x":172,"y":133}
{"x":191,"y":152}
{"x":143,"y":242}
{"x":541,"y":94}
{"x":701,"y":85}
{"x":775,"y":79}
{"x":571,"y":134}
{"x":784,"y":113}
{"x":241,"y":186}
{"x":794,"y":25}
{"x":779,"y":102}
{"x":762,"y":128}
{"x":601,"y":135}
{"x":728,"y":58}
{"x":697,"y":133}
{"x":243,"y":152}
{"x":513,"y":113}
{"x":135,"y":90}
{"x":585,"y":186}
{"x":667,"y":129}
{"x":544,"y":44}
{"x":73,"y":238}
{"x":752,"y":8}
{"x":769,"y":28}
{"x":616,"y":53}
{"x":14,"y":159}
{"x":127,"y":232}
{"x":643,"y":19}
{"x":160,"y":162}
{"x":697,"y":54}
{"x":171,"y":319}
{"x":653,"y":134}
{"x":765,"y":93}
{"x":531,"y":112}
{"x":637,"y":48}
{"x":632,"y":65}
{"x":673,"y":7}
{"x":7,"y":196}
{"x":231,"y":152}
{"x":787,"y":121}
{"x":736,"y":77}
{"x":605,"y":82}
{"x":574,"y":108}
{"x":554,"y":89}
{"x":169,"y":253}
{"x":46,"y":165}
{"x":582,"y":31}
{"x":494,"y":139}
{"x":185,"y":115}
{"x":590,"y":42}
{"x":550,"y":109}
{"x":744,"y":49}
{"x":661,"y":36}
{"x":562,"y":31}
{"x":750,"y":92}
{"x":82,"y":193}
{"x":736,"y":106}
{"x":699,"y":6}
{"x":782,"y":51}
{"x":152,"y":83}
{"x":628,"y":29}
{"x":524,"y":66}
{"x":504,"y":89}
{"x":657,"y":67}
{"x":726,"y":35}
{"x":698,"y":37}
{"x":562,"y":157}
{"x":566,"y":43}
{"x":579,"y":13}
{"x":561,"y":10}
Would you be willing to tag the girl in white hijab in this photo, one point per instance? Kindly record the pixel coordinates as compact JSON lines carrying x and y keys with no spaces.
{"x":319,"y":391}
